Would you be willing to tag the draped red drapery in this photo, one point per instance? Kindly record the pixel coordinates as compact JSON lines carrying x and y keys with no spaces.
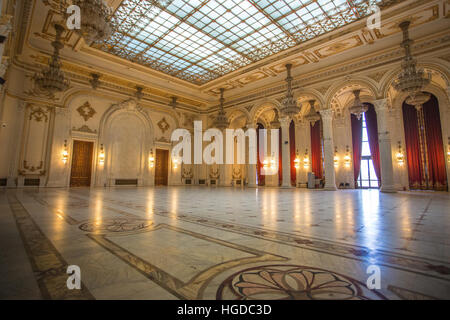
{"x":372,"y":131}
{"x":434,"y":157}
{"x":357,"y":145}
{"x":316,"y":150}
{"x":292,"y":153}
{"x":437,"y":174}
{"x":413,"y":155}
{"x":261,"y":178}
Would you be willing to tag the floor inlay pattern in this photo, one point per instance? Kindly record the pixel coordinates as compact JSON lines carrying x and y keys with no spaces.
{"x":48,"y":265}
{"x":292,"y":282}
{"x":224,"y":243}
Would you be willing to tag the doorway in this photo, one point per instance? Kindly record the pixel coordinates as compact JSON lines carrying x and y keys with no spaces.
{"x":80,"y":175}
{"x":162,"y":167}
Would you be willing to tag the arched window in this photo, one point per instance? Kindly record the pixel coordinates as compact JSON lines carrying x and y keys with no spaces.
{"x":367,"y":176}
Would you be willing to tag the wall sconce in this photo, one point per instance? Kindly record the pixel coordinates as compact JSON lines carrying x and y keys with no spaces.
{"x":151,"y":159}
{"x":306,"y":160}
{"x":336,"y":158}
{"x":269,"y":164}
{"x":297,"y":161}
{"x":448,"y":150}
{"x":101,"y":155}
{"x":399,"y":155}
{"x":65,"y":153}
{"x":347,"y":158}
{"x":175,"y":162}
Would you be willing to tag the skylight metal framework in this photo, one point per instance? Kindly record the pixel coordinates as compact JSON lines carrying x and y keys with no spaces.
{"x":202,"y":40}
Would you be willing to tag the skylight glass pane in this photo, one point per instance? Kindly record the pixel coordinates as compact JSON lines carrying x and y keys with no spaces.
{"x":201,"y":40}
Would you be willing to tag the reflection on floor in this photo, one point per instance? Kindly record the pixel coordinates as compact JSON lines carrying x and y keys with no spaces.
{"x":223,"y":243}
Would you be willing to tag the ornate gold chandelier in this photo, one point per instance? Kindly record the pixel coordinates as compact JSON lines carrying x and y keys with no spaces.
{"x":411,"y":80}
{"x":358,"y":108}
{"x":96,"y":23}
{"x":51,"y":79}
{"x":289,"y":106}
{"x":221,"y":121}
{"x":312,"y":115}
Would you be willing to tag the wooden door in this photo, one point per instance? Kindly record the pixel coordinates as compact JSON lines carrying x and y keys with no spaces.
{"x":162,"y":167}
{"x":80,"y":175}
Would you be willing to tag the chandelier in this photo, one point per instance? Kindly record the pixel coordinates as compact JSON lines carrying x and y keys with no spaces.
{"x":221,"y":121}
{"x":96,"y":23}
{"x":411,"y":80}
{"x":358,"y":108}
{"x":312,"y":115}
{"x":51,"y":79}
{"x":289,"y":106}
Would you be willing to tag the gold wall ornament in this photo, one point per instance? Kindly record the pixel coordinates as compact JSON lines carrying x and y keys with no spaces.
{"x":84,"y":128}
{"x":38,"y":114}
{"x":86,"y":111}
{"x":163,"y":125}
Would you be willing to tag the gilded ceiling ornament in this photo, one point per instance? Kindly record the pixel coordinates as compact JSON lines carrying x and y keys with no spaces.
{"x":163,"y":125}
{"x":86,"y":111}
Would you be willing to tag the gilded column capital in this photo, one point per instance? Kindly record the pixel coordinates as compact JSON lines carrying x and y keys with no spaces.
{"x":327,"y":114}
{"x":381,"y":105}
{"x":285,"y":122}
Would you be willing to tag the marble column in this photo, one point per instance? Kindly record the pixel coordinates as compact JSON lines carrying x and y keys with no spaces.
{"x":59,"y":172}
{"x":16,"y":144}
{"x":384,"y":141}
{"x":251,"y":171}
{"x":285,"y":150}
{"x":328,"y":146}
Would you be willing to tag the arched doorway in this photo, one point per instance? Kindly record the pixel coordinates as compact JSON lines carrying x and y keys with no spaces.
{"x":424,"y":146}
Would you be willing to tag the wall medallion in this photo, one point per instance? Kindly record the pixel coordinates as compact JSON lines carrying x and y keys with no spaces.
{"x":86,"y":111}
{"x":163,"y":125}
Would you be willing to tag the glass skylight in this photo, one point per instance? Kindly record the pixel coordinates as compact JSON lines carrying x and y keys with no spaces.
{"x":199,"y":41}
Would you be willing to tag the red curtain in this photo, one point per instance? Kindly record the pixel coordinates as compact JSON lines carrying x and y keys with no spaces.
{"x":372,"y":131}
{"x":413,"y":156}
{"x":280,"y":158}
{"x":316,"y":150}
{"x":261,"y":178}
{"x":437,"y":174}
{"x":293,"y":153}
{"x":357,"y":145}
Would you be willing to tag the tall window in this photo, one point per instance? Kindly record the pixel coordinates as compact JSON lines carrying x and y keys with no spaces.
{"x":367,"y":176}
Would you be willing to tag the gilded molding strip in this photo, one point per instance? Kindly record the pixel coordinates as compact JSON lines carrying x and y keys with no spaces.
{"x":195,"y":287}
{"x":48,"y":265}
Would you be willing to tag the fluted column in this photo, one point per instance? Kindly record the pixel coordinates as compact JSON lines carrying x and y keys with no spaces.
{"x":285,"y":151}
{"x":251,"y":172}
{"x":328,"y":146}
{"x":384,"y":141}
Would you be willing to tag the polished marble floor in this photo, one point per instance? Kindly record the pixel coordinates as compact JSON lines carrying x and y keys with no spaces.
{"x":223,"y":243}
